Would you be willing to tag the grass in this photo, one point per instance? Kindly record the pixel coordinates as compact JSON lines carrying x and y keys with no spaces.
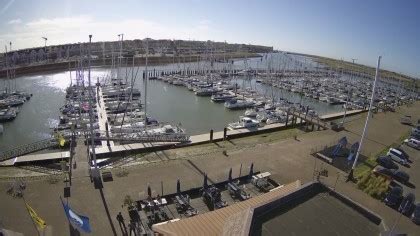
{"x":375,"y":186}
{"x":349,"y":66}
{"x":370,"y":162}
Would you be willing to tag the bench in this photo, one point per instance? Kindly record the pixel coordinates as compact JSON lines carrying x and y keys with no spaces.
{"x":325,"y":158}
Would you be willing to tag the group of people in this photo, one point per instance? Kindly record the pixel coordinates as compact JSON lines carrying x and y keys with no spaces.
{"x":132,"y":229}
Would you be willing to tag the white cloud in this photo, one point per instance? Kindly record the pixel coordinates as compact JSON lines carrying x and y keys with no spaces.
{"x":76,"y":29}
{"x":5,"y":7}
{"x":14,"y":21}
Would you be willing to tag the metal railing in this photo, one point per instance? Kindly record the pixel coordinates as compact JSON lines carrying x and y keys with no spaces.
{"x":28,"y":148}
{"x":147,"y":138}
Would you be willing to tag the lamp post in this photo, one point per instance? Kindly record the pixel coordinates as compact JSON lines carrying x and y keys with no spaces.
{"x":350,"y":176}
{"x":45,"y":46}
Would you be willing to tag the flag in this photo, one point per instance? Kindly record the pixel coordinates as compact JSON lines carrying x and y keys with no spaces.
{"x":78,"y":221}
{"x":60,"y":139}
{"x":40,"y":223}
{"x":85,"y":106}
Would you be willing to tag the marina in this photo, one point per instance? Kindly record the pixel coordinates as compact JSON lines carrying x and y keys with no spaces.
{"x":213,"y":118}
{"x":200,"y":98}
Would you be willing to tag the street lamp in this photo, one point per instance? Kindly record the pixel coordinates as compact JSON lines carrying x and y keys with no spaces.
{"x":45,"y":46}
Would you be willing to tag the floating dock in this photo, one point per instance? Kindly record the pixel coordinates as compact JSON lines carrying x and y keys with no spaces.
{"x":113,"y":150}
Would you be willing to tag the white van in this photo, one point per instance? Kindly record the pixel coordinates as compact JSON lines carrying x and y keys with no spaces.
{"x":412,"y":142}
{"x":397,"y":156}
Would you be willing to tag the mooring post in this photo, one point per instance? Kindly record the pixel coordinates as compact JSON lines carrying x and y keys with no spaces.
{"x":211,"y":135}
{"x":107,"y":134}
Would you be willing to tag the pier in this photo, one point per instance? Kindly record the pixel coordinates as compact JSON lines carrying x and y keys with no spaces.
{"x":102,"y":116}
{"x":113,"y":150}
{"x":105,"y":152}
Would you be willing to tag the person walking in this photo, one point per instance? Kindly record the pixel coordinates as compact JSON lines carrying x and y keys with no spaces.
{"x":120,"y":219}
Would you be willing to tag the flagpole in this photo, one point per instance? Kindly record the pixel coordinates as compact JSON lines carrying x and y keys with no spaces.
{"x":33,"y":222}
{"x":350,"y":176}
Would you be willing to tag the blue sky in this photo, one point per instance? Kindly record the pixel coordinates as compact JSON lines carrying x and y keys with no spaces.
{"x":339,"y":29}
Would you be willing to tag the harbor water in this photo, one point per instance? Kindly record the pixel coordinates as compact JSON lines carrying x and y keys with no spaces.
{"x":165,"y":102}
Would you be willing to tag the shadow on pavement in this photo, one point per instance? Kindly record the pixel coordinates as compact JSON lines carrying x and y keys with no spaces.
{"x":107,"y":211}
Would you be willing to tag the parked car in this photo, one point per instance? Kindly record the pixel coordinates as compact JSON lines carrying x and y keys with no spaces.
{"x":407,"y":204}
{"x":406,"y":120}
{"x":404,"y":154}
{"x":415,"y":217}
{"x":412,"y":142}
{"x":415,"y":132}
{"x":397,"y":156}
{"x":386,"y":162}
{"x":400,"y":176}
{"x":394,"y":196}
{"x":382,"y":171}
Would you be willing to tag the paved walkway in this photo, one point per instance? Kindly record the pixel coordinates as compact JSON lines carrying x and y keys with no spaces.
{"x":102,"y":116}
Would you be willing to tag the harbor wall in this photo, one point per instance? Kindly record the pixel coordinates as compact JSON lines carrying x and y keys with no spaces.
{"x":138,"y":61}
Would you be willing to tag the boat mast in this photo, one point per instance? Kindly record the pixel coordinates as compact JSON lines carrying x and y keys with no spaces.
{"x":145,"y":83}
{"x":92,"y":140}
{"x":120,"y":56}
{"x":7,"y":70}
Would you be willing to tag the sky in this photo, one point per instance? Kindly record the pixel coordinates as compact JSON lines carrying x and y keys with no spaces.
{"x":339,"y":29}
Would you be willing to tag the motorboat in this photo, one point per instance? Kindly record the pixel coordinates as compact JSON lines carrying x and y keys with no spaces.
{"x":205,"y":91}
{"x":8,"y":114}
{"x":238,"y":104}
{"x":251,"y":113}
{"x":221,"y":97}
{"x":244,"y":122}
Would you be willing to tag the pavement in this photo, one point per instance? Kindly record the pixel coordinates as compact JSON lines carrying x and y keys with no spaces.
{"x":287,"y":158}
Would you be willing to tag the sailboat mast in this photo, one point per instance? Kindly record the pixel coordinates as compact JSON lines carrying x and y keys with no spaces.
{"x":92,"y":140}
{"x":145,"y":82}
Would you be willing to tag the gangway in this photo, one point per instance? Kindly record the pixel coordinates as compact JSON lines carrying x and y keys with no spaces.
{"x":146,"y":138}
{"x":28,"y":148}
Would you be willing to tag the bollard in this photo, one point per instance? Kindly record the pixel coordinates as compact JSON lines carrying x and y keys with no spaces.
{"x":224,"y":133}
{"x":211,"y":135}
{"x":107,"y":134}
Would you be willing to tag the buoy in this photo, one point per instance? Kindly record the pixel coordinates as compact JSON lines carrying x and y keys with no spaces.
{"x":1,"y":129}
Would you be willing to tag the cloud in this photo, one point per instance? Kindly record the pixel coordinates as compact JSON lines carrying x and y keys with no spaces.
{"x":75,"y":29}
{"x":5,"y":7}
{"x":14,"y":21}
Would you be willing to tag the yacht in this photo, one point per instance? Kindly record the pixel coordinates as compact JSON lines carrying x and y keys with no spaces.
{"x":205,"y":91}
{"x":251,"y":113}
{"x":244,"y":122}
{"x":221,"y":97}
{"x":7,"y":114}
{"x":238,"y":104}
{"x":334,"y":101}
